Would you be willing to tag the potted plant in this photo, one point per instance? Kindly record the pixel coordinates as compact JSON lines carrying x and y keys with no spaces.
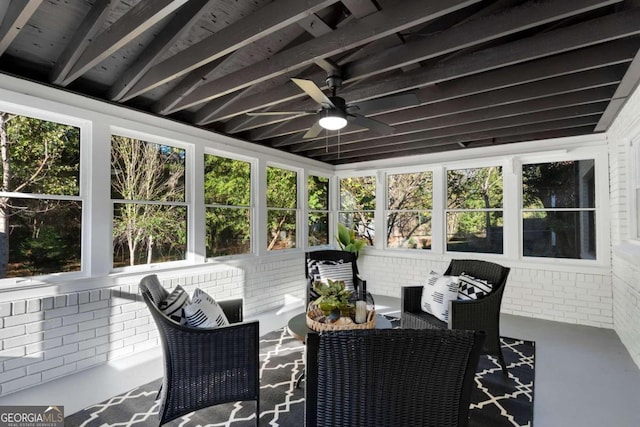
{"x":333,"y":299}
{"x":347,"y":240}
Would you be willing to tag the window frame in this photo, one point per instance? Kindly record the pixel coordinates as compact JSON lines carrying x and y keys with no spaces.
{"x":298,"y":208}
{"x":187,"y":203}
{"x":431,"y":210}
{"x":308,"y":211}
{"x":488,"y":163}
{"x":84,"y":127}
{"x":253,"y":164}
{"x":378,"y":195}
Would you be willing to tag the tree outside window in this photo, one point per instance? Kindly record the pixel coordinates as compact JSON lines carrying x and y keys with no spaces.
{"x":357,"y":206}
{"x":410,"y":200}
{"x":150,"y":213}
{"x":558,"y":209}
{"x":318,"y":204}
{"x":227,"y":197}
{"x":474,"y":210}
{"x":282,"y":194}
{"x":40,"y":205}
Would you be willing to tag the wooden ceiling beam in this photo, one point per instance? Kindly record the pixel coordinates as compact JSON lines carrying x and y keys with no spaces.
{"x":15,"y":18}
{"x":469,"y":34}
{"x":593,"y":96}
{"x":570,"y":83}
{"x":90,"y":26}
{"x":370,"y":28}
{"x":360,"y":8}
{"x":452,"y":146}
{"x":136,"y":21}
{"x":517,"y":129}
{"x":472,"y":33}
{"x":267,"y":20}
{"x":179,"y":24}
{"x":602,"y":55}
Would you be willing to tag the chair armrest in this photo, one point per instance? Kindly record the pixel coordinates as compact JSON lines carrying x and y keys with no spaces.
{"x":482,"y":314}
{"x":410,"y":299}
{"x":232,"y":309}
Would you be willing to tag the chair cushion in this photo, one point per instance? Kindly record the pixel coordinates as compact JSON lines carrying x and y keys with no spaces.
{"x":173,"y":305}
{"x":470,"y":288}
{"x":437,"y":293}
{"x":204,"y":311}
{"x":341,"y":271}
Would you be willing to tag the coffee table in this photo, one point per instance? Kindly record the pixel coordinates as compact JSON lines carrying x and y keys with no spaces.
{"x":298,"y":329}
{"x":298,"y":325}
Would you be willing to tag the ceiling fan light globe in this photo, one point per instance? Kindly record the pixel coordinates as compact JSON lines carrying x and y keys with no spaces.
{"x":332,"y":120}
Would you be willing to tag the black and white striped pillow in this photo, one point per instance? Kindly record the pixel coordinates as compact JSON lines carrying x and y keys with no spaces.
{"x":173,"y":305}
{"x":204,"y":311}
{"x":437,"y":293}
{"x":470,"y":288}
{"x":342,"y":271}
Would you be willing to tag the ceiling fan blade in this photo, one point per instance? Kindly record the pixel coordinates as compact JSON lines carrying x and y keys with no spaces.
{"x":313,"y":131}
{"x":280,"y":113}
{"x":392,"y":102}
{"x":313,"y":91}
{"x":374,"y":125}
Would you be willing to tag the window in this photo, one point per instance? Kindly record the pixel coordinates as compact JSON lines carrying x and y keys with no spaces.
{"x":410,"y":198}
{"x":282,"y":193}
{"x":558,"y":209}
{"x":227,"y":197}
{"x":40,"y":205}
{"x":149,"y":213}
{"x":474,"y":210}
{"x":318,"y":204}
{"x":357,"y":206}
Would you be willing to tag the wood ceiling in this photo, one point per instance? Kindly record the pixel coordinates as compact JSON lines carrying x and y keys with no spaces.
{"x":485,"y":72}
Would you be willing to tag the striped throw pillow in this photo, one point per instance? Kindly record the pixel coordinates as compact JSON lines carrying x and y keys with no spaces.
{"x":204,"y":311}
{"x":437,"y":293}
{"x":470,"y":288}
{"x":342,"y":271}
{"x":173,"y":305}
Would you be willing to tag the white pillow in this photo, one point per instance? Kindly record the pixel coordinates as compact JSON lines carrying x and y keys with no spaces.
{"x":173,"y":305}
{"x":204,"y":311}
{"x":342,"y":271}
{"x":437,"y":293}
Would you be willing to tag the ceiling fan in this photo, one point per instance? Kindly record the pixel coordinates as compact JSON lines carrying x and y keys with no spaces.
{"x":334,"y":112}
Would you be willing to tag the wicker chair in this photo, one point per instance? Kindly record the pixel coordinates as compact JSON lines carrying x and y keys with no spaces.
{"x":391,"y":377}
{"x":332,"y":255}
{"x":482,"y":314}
{"x":204,"y":367}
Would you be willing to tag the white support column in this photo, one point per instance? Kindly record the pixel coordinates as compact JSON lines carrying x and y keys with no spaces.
{"x":438,"y":220}
{"x":97,"y":212}
{"x":512,"y":201}
{"x":259,"y":196}
{"x":197,"y":232}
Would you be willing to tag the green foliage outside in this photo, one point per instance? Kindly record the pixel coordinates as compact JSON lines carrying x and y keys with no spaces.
{"x":39,"y":235}
{"x":357,"y":206}
{"x":282,"y":199}
{"x":477,"y":224}
{"x":318,"y":204}
{"x":227,"y":193}
{"x":143,"y":172}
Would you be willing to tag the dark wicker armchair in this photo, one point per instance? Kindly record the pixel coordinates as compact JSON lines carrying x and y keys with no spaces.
{"x":332,"y":255}
{"x":482,"y":314}
{"x":204,"y":367}
{"x":391,"y":377}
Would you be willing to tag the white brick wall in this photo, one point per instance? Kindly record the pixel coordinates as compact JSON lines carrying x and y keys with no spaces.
{"x":560,"y":294}
{"x":626,"y":257}
{"x":45,"y":338}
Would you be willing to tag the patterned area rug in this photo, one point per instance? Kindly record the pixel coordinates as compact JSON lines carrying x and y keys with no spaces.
{"x":496,"y":402}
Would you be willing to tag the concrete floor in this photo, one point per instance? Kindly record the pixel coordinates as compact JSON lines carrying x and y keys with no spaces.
{"x":584,"y":376}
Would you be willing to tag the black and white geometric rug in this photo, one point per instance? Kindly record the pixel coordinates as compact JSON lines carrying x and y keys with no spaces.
{"x":496,"y":402}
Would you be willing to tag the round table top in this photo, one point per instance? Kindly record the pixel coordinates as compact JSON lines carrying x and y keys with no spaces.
{"x":298,"y":325}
